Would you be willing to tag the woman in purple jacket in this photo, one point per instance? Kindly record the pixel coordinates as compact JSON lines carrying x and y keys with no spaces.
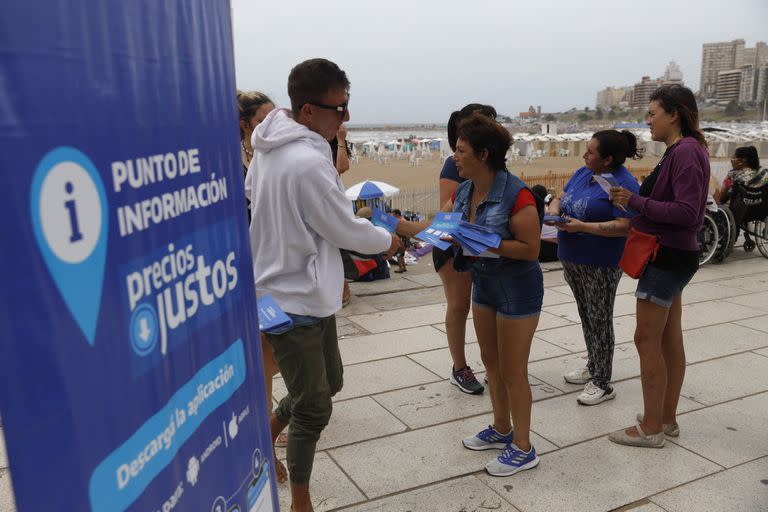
{"x":670,"y":205}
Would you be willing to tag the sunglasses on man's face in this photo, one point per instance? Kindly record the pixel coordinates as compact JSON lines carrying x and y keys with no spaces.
{"x":341,"y":109}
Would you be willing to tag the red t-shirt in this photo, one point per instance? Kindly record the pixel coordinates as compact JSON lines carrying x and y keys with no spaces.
{"x":524,"y":198}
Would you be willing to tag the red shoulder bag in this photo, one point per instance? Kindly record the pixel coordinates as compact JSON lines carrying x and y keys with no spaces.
{"x":640,"y":249}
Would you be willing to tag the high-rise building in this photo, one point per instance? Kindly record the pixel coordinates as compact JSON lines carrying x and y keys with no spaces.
{"x":642,"y":92}
{"x":761,"y":83}
{"x":728,"y":85}
{"x":717,"y":57}
{"x":672,"y":75}
{"x":610,"y":97}
{"x":748,"y":86}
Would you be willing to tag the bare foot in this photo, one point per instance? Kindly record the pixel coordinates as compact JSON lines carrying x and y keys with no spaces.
{"x":282,"y":440}
{"x":280,"y":472}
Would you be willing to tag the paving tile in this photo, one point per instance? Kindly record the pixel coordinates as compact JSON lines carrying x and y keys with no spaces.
{"x":762,"y":352}
{"x":418,"y":457}
{"x":345,"y":328}
{"x":752,"y":282}
{"x":642,"y":507}
{"x":729,"y":434}
{"x":428,"y":279}
{"x":462,"y":494}
{"x":357,"y":306}
{"x":439,"y":361}
{"x":407,"y":299}
{"x":723,"y":379}
{"x":583,"y":422}
{"x":599,"y":475}
{"x":331,"y":488}
{"x":714,"y":312}
{"x":739,"y":489}
{"x":700,"y":292}
{"x":571,"y":337}
{"x":550,"y":321}
{"x":7,"y":501}
{"x":754,"y":300}
{"x":430,"y":404}
{"x":390,"y":344}
{"x":721,"y":340}
{"x":564,"y":289}
{"x":401,"y":318}
{"x":551,"y":265}
{"x":357,"y":420}
{"x":623,"y":305}
{"x":711,"y":273}
{"x":374,"y":377}
{"x":759,"y":323}
{"x":439,"y":402}
{"x":395,"y":283}
{"x":554,"y":278}
{"x":625,"y":365}
{"x":552,"y":297}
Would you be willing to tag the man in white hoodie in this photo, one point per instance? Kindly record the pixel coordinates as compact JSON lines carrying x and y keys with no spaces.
{"x":300,"y":220}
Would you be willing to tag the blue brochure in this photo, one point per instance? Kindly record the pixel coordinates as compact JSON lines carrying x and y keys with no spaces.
{"x":443,"y":225}
{"x":384,"y":220}
{"x":469,"y":245}
{"x":483,"y":238}
{"x":475,"y":227}
{"x":270,"y":315}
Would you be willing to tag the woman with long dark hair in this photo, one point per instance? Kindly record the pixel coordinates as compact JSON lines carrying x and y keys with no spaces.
{"x":670,"y":207}
{"x":457,"y":286}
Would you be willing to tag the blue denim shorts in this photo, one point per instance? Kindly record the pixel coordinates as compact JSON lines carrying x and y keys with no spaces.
{"x":513,"y":291}
{"x":661,"y":286}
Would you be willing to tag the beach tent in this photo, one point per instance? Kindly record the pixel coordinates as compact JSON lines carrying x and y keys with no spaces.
{"x":371,"y":190}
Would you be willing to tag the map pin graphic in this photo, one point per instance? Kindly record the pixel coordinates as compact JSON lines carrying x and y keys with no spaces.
{"x":68,"y":205}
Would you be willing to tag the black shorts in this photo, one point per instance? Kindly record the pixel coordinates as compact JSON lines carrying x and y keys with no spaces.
{"x":441,"y":257}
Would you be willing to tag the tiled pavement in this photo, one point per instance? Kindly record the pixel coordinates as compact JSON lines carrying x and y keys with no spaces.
{"x":394,"y":439}
{"x":393,"y":443}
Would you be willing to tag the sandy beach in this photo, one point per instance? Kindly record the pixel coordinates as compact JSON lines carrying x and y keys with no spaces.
{"x":404,"y":176}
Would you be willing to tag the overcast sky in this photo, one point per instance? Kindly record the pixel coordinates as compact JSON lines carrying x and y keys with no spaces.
{"x":414,"y":61}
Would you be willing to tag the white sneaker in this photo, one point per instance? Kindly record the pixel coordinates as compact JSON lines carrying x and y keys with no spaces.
{"x":580,"y":376}
{"x":593,"y":395}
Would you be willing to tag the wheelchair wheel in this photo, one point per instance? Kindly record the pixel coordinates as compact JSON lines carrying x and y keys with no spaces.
{"x":760,"y":227}
{"x":708,"y":239}
{"x":724,"y":235}
{"x":749,"y":245}
{"x":733,"y":228}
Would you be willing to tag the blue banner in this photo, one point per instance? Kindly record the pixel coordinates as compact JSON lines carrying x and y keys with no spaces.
{"x":130,"y":366}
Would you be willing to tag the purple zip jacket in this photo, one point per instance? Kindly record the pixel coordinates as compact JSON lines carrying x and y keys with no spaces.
{"x":675,"y":209}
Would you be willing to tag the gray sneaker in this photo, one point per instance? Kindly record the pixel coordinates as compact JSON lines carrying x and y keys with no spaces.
{"x":465,"y":379}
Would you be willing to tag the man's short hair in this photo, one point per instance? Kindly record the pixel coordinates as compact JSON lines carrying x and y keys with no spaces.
{"x":311,"y":80}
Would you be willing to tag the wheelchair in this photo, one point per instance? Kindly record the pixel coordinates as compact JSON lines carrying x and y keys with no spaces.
{"x":747,"y":213}
{"x":750,"y":209}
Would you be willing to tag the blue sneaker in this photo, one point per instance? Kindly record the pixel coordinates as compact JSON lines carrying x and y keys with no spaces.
{"x":488,"y":439}
{"x":512,"y":460}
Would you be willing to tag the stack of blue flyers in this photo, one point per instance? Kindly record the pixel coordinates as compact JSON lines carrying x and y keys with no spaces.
{"x":270,"y":315}
{"x":476,"y":239}
{"x":384,"y":220}
{"x":443,"y":225}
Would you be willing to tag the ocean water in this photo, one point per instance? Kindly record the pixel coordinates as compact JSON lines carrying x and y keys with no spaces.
{"x":386,"y":134}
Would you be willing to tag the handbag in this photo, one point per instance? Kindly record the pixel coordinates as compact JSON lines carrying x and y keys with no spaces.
{"x":639,"y":250}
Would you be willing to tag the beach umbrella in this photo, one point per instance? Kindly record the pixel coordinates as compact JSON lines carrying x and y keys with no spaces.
{"x":371,"y":190}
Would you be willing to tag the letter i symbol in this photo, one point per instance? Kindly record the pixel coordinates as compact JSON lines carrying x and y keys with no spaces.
{"x":70,"y":205}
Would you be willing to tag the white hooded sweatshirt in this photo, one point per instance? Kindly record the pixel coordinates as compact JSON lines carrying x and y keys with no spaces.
{"x":300,"y":218}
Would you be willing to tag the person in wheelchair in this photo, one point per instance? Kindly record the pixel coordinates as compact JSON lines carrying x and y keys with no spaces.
{"x":746,"y":171}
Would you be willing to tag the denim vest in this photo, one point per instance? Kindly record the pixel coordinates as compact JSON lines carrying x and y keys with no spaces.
{"x":493,"y":212}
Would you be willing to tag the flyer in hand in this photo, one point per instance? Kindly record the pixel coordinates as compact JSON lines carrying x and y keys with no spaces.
{"x":384,"y":220}
{"x":475,"y":239}
{"x":443,"y":225}
{"x":270,"y":315}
